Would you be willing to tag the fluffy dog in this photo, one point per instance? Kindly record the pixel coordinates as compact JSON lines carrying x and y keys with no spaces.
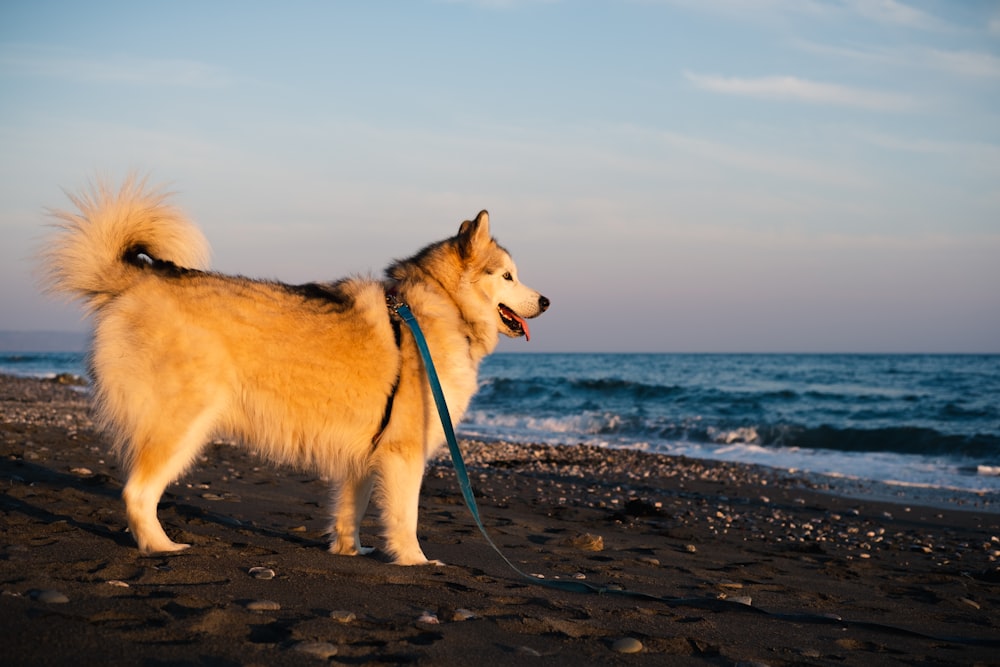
{"x":319,"y":376}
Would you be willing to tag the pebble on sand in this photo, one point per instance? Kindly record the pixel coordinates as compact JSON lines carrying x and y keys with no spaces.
{"x":342,"y":616}
{"x":587,"y":542}
{"x":51,"y":597}
{"x":263,"y":605}
{"x":627,"y":645}
{"x":462,"y":615}
{"x":322,"y":650}
{"x":261,"y":573}
{"x":429,"y":618}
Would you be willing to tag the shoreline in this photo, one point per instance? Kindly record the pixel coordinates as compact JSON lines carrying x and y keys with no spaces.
{"x":850,"y":488}
{"x":907,"y":494}
{"x":896,"y":492}
{"x":258,"y":586}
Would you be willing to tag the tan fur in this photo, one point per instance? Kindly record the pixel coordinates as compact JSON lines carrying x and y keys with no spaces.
{"x":300,"y":374}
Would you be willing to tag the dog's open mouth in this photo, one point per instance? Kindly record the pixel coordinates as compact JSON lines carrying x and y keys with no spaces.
{"x":514,"y":322}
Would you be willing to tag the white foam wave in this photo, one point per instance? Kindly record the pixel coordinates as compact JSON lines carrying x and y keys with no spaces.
{"x":747,"y":434}
{"x":741,"y":446}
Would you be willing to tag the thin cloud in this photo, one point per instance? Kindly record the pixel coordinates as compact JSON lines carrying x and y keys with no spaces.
{"x":57,"y":63}
{"x":757,"y":161}
{"x":971,"y":64}
{"x":794,"y":89}
{"x":743,"y":8}
{"x":892,"y":12}
{"x":965,"y":63}
{"x":497,"y":4}
{"x":982,"y":152}
{"x":886,"y":12}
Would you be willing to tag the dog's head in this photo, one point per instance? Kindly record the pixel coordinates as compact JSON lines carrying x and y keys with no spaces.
{"x":493,"y":276}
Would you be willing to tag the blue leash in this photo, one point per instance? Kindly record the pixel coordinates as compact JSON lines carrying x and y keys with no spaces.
{"x":449,"y":432}
{"x":583,"y":587}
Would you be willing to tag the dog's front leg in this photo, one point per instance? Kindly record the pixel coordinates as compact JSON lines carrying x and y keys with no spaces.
{"x":400,"y":478}
{"x":351,"y":496}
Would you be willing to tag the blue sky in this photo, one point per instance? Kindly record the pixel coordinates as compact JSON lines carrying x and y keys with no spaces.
{"x":687,"y":175}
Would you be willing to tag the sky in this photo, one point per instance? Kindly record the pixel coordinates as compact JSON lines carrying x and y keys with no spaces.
{"x":675,"y":175}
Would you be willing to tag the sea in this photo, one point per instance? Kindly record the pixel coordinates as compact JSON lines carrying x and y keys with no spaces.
{"x":890,"y":423}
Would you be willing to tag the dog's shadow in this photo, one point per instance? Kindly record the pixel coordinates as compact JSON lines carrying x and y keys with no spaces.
{"x":191,"y":513}
{"x":50,"y":489}
{"x":80,"y":497}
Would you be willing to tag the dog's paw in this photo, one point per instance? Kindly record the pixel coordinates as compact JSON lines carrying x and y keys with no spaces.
{"x":417,"y":558}
{"x":168,"y":547}
{"x":348,"y":548}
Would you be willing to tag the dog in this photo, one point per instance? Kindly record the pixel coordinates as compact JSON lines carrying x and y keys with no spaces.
{"x":319,"y":376}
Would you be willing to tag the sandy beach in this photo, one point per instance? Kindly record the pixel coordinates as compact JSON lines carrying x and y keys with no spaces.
{"x":731,"y":564}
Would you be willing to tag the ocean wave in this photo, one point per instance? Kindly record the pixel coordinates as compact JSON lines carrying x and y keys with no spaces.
{"x":27,"y":358}
{"x":582,"y":389}
{"x":954,"y":411}
{"x":899,"y":439}
{"x":614,"y":392}
{"x":42,"y":364}
{"x":638,"y":428}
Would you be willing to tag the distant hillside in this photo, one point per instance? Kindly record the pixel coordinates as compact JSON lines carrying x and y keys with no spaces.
{"x":42,"y":341}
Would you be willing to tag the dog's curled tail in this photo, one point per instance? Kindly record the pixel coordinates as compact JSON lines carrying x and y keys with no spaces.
{"x":93,"y":255}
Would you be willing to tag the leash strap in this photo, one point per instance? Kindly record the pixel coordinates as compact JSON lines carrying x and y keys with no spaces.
{"x":712,"y":604}
{"x":449,"y":430}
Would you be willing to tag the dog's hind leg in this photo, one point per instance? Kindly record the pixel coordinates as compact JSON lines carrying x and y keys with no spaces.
{"x":157,"y":458}
{"x":351,"y":497}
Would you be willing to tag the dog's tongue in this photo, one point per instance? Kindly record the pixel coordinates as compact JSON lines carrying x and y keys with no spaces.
{"x":520,"y":320}
{"x":524,"y":325}
{"x":511,"y":315}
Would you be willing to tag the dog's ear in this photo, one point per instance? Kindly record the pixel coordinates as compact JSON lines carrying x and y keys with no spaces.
{"x":474,"y":234}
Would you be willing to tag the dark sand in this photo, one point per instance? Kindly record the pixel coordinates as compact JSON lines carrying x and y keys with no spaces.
{"x":75,"y":590}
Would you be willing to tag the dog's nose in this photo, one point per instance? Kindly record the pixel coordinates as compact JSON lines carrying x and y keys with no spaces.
{"x":543,"y":303}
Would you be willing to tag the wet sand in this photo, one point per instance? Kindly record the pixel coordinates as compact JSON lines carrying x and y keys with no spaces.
{"x":710,"y":546}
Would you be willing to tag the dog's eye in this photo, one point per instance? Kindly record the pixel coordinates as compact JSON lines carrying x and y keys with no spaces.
{"x":507,"y":276}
